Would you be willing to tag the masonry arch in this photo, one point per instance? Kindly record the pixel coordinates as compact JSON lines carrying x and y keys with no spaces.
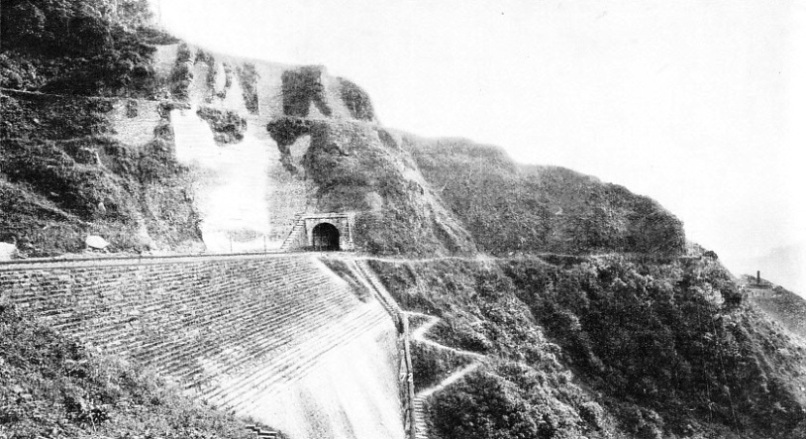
{"x":326,"y":237}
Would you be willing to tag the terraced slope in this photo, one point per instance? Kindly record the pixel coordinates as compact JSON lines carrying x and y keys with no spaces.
{"x":251,"y":333}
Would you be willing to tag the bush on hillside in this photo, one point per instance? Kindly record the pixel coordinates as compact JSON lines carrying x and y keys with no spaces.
{"x":182,"y":73}
{"x":301,"y":87}
{"x":84,"y":47}
{"x":511,"y":402}
{"x":212,"y":73}
{"x":655,"y":334}
{"x":357,"y":100}
{"x":248,"y":76}
{"x":227,"y":126}
{"x":433,"y":365}
{"x":29,"y":116}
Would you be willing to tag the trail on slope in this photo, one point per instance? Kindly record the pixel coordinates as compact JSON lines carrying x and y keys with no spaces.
{"x":418,"y":335}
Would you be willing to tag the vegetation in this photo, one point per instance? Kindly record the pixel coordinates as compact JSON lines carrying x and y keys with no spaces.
{"x":50,"y":386}
{"x":353,"y":172}
{"x":64,"y":178}
{"x":356,"y":100}
{"x":227,"y":125}
{"x":511,"y":208}
{"x":643,"y":347}
{"x":182,"y":73}
{"x":301,"y":87}
{"x":248,"y":76}
{"x":87,"y":47}
{"x":212,"y":73}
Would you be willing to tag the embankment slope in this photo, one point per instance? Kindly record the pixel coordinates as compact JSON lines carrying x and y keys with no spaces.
{"x":268,"y":337}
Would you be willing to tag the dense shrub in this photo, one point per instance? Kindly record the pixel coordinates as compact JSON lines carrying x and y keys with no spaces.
{"x":227,"y":125}
{"x":28,"y":116}
{"x":286,"y":130}
{"x":182,"y":73}
{"x":541,"y":209}
{"x":81,"y":47}
{"x":356,"y":100}
{"x":302,"y":86}
{"x":656,"y":334}
{"x":514,"y":402}
{"x":433,"y":365}
{"x":655,"y":343}
{"x":212,"y":73}
{"x":248,"y":76}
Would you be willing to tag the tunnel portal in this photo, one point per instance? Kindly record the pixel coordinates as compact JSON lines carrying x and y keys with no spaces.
{"x":325,"y":237}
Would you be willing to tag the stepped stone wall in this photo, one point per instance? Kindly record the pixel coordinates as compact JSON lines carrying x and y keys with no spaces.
{"x":250,"y":332}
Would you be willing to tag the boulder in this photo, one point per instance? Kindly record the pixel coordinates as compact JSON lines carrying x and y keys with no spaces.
{"x":96,"y":242}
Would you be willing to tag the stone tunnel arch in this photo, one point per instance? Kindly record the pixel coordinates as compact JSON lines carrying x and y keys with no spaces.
{"x":326,"y":237}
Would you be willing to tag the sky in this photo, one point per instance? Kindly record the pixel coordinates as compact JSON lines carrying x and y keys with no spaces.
{"x":697,"y":104}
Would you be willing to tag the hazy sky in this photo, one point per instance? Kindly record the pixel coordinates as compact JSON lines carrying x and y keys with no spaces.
{"x":698,"y":104}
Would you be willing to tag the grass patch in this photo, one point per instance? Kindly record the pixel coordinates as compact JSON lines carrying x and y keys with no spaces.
{"x":248,"y":76}
{"x":301,"y":87}
{"x":228,"y":126}
{"x":357,"y":100}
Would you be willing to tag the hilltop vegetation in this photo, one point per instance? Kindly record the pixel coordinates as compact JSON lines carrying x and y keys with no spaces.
{"x":513,"y":208}
{"x":89,"y":47}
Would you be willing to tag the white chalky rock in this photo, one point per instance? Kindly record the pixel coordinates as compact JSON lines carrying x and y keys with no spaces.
{"x":96,"y":242}
{"x":7,"y":251}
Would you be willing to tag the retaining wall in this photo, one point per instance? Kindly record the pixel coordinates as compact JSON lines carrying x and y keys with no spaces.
{"x":261,"y":334}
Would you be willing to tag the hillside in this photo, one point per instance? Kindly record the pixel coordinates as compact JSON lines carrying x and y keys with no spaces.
{"x":178,"y":149}
{"x":515,"y":208}
{"x":569,"y":307}
{"x":780,"y":304}
{"x":602,"y":347}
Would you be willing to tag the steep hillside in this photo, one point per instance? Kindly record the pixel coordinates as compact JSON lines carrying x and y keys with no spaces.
{"x":603,"y":347}
{"x":172,"y":147}
{"x":779,"y":303}
{"x":513,"y":208}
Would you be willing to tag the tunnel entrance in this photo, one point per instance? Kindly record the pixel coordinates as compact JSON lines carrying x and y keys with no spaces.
{"x":325,"y":237}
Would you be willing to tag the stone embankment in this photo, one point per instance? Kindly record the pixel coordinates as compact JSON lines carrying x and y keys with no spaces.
{"x":278,"y":337}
